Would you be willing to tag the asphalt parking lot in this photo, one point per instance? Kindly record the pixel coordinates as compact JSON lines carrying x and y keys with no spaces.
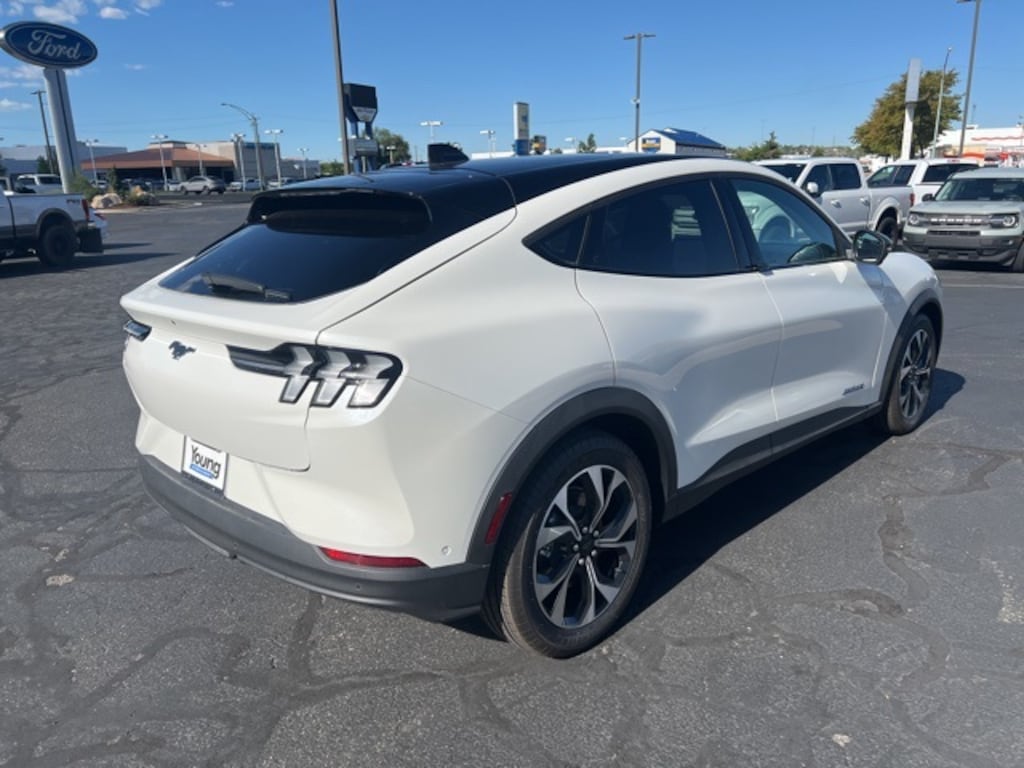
{"x":859,"y":603}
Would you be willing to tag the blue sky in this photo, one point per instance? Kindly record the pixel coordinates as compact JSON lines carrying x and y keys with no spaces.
{"x":809,"y":70}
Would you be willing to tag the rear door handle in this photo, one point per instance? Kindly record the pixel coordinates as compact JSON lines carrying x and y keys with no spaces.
{"x":836,"y":204}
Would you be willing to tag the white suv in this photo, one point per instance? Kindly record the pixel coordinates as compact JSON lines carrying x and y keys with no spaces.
{"x":483,"y":385}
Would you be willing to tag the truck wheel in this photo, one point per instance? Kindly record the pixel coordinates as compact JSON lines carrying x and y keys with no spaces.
{"x":1018,"y":263}
{"x":57,"y":245}
{"x":888,"y":227}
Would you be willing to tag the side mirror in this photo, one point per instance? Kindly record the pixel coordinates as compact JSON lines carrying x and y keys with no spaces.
{"x":927,"y":197}
{"x":812,"y":188}
{"x":871,"y":247}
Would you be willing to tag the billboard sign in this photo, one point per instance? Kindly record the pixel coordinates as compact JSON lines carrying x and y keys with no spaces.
{"x":521,"y":117}
{"x":360,"y":102}
{"x":47,"y":45}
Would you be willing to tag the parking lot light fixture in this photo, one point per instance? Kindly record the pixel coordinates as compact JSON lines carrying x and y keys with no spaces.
{"x":160,"y":137}
{"x":639,"y":37}
{"x":239,"y":139}
{"x":90,"y":143}
{"x":489,"y":133}
{"x":304,"y":150}
{"x":256,"y":134}
{"x":431,"y":125}
{"x":275,"y":132}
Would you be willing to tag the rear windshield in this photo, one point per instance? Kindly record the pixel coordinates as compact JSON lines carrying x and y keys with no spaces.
{"x":306,"y":245}
{"x":939,"y":173}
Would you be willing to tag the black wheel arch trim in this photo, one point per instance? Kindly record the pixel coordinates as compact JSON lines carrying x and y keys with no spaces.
{"x":612,"y":409}
{"x":926,"y":303}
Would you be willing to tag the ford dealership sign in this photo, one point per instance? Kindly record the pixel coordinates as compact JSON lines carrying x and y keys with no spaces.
{"x":47,"y":45}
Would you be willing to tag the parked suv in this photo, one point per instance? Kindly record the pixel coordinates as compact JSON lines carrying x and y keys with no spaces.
{"x":482,"y":385}
{"x":975,"y":216}
{"x":204,"y":185}
{"x":924,"y":176}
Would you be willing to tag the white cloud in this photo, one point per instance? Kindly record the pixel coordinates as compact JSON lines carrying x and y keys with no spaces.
{"x":22,"y":74}
{"x":145,"y":6}
{"x":225,"y":3}
{"x":110,"y":12}
{"x":135,"y":67}
{"x":60,"y":12}
{"x":6,"y":105}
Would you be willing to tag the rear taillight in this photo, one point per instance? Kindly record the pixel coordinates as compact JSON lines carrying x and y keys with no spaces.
{"x":372,"y":561}
{"x":359,"y":379}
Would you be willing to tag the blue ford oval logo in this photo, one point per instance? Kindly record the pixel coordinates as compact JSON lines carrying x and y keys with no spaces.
{"x":47,"y":45}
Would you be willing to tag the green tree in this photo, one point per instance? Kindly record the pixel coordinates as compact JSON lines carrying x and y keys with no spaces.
{"x":43,"y":165}
{"x":590,"y":145}
{"x":769,"y":149}
{"x":882,"y":132}
{"x":385,"y":139}
{"x":332,"y":168}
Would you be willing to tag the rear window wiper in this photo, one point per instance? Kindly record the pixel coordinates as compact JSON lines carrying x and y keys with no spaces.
{"x":219,"y":282}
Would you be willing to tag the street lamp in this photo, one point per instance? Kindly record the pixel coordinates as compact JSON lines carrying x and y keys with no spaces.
{"x":391,"y":153}
{"x":639,"y":37}
{"x":431,"y":124}
{"x":46,"y":133}
{"x":199,"y":154}
{"x":938,"y":110}
{"x":90,"y":143}
{"x":163,"y":169}
{"x":256,"y":133}
{"x":239,"y":139}
{"x":304,"y":150}
{"x":489,"y":133}
{"x":970,"y":70}
{"x":275,"y":132}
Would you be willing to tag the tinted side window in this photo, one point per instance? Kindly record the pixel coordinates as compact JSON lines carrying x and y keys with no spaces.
{"x":819,"y":175}
{"x":846,"y":176}
{"x":561,"y":244}
{"x":675,"y":230}
{"x":787,"y":231}
{"x":939,"y":173}
{"x":903,"y":174}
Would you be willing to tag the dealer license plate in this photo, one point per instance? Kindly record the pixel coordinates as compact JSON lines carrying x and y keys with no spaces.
{"x":206,"y":464}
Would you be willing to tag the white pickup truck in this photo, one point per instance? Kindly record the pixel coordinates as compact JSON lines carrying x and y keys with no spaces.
{"x":53,"y":226}
{"x":839,"y":187}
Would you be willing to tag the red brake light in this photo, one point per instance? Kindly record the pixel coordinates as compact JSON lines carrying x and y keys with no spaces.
{"x":372,"y":561}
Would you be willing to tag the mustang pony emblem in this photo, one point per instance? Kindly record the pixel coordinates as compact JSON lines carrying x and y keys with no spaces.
{"x":179,"y":350}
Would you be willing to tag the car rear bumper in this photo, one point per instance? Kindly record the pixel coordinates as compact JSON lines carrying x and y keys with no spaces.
{"x":983,"y":247}
{"x":438,"y":594}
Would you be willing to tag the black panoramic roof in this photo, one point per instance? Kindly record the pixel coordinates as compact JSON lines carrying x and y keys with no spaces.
{"x":525,"y":177}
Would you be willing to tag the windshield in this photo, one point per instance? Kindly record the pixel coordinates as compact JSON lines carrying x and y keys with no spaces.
{"x":990,"y":188}
{"x":790,"y":170}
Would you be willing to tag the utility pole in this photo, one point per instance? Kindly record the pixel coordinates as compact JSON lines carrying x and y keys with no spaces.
{"x":639,"y":37}
{"x":346,"y":162}
{"x":46,"y":133}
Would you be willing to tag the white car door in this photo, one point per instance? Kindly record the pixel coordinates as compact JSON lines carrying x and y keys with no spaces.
{"x":686,"y":325}
{"x":830,"y":306}
{"x":841,"y":195}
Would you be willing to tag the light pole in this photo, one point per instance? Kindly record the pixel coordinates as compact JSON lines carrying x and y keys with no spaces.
{"x":391,"y":153}
{"x":199,"y":154}
{"x":256,"y":133}
{"x":304,"y":150}
{"x":571,"y":141}
{"x":938,"y":110}
{"x":275,"y":132}
{"x":489,"y":133}
{"x":970,"y":70}
{"x":431,"y":124}
{"x":46,"y":132}
{"x":163,"y":168}
{"x":345,"y":158}
{"x":92,"y":158}
{"x":639,"y":37}
{"x":239,"y":139}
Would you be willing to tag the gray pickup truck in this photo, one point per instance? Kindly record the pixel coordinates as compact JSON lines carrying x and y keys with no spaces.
{"x":53,"y":226}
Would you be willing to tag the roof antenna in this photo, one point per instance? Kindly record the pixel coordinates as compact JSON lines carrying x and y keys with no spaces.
{"x":444,"y":155}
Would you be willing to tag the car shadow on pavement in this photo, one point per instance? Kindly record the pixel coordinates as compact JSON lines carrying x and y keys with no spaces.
{"x":32,"y":266}
{"x":684,"y":544}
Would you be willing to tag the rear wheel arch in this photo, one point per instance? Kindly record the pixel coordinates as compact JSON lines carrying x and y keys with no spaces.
{"x":621,"y":413}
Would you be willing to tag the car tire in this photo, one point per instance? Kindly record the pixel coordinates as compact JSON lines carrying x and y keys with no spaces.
{"x":57,"y":245}
{"x":910,"y":386}
{"x":557,"y":588}
{"x":889,"y":227}
{"x":1018,"y":263}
